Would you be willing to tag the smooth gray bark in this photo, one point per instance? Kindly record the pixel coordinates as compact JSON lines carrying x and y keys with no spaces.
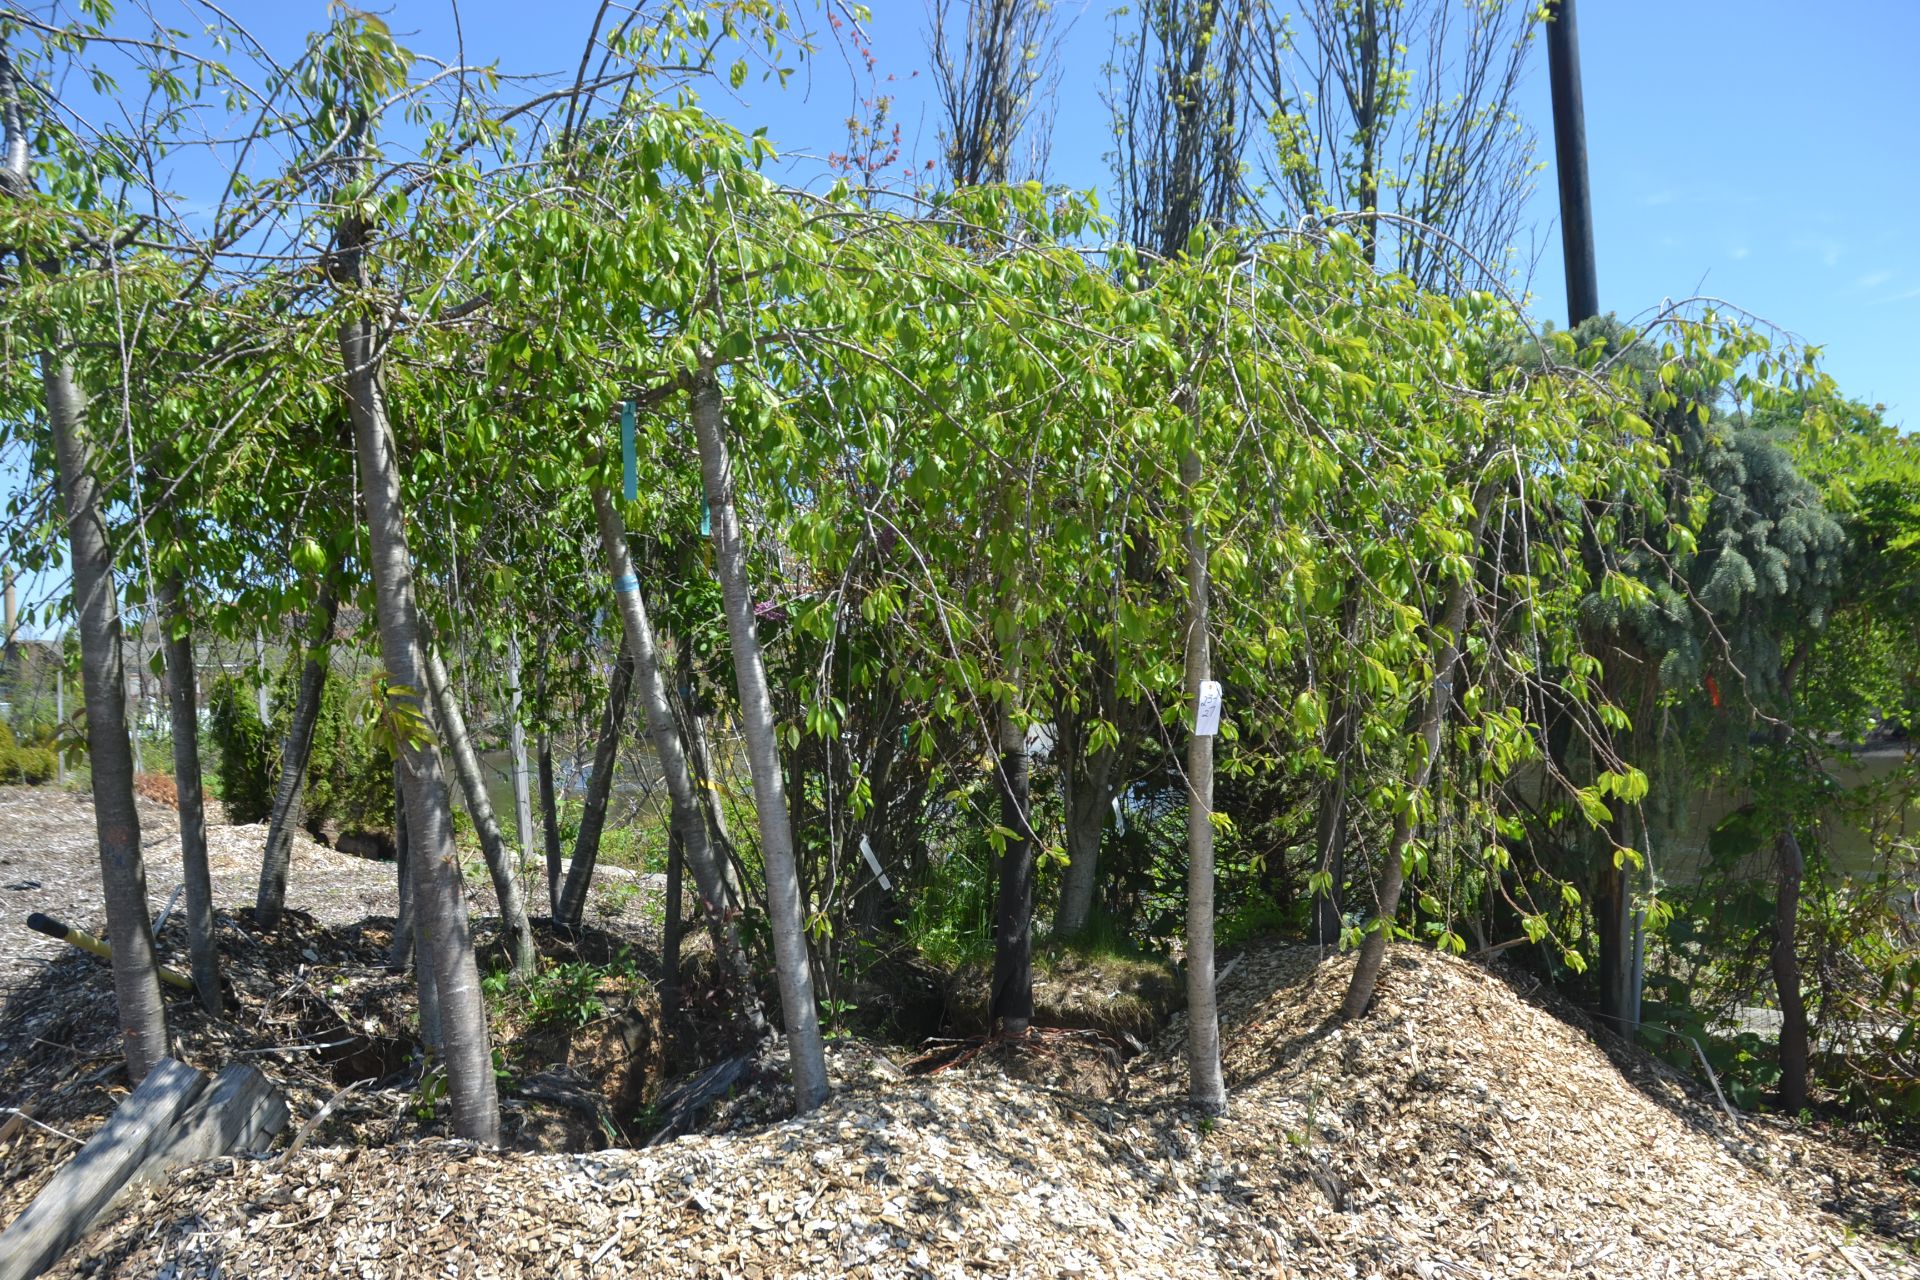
{"x":785,"y":912}
{"x":688,"y":816}
{"x":440,"y":904}
{"x":517,"y":752}
{"x":133,"y":708}
{"x":493,"y":846}
{"x":290,"y":789}
{"x":606,"y":762}
{"x":181,"y":703}
{"x":123,"y":870}
{"x":1207,"y":1088}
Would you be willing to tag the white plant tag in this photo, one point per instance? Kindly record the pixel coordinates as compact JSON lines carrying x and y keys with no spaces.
{"x":1206,"y":716}
{"x":866,"y":851}
{"x":1119,"y":818}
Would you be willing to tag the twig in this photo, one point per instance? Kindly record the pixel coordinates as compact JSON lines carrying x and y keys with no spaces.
{"x":1854,"y":1262}
{"x":166,"y":912}
{"x":299,"y":1046}
{"x":41,"y":1124}
{"x":1713,"y":1080}
{"x":306,"y":1130}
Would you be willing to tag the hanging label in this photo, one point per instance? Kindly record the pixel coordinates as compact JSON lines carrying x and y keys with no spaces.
{"x":1206,"y":715}
{"x":629,"y":454}
{"x":626,"y":585}
{"x":866,"y":851}
{"x":1119,"y":818}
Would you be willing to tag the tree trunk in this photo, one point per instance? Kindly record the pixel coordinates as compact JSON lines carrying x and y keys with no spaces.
{"x":402,"y":950}
{"x":1011,"y":1005}
{"x":60,"y":715}
{"x":700,"y":759}
{"x":718,"y":895}
{"x":1089,"y":785}
{"x":549,"y":821}
{"x":785,"y":910}
{"x":289,"y":795}
{"x":1790,"y":869}
{"x":549,"y":801}
{"x":1330,"y":832}
{"x":1373,"y":951}
{"x":670,"y":931}
{"x":1330,"y":843}
{"x":133,"y":705}
{"x":1208,"y":1088}
{"x":439,"y":897}
{"x":123,"y":871}
{"x":1613,"y":921}
{"x":191,"y":800}
{"x":1790,"y":866}
{"x":606,"y":762}
{"x":493,"y":846}
{"x":517,"y":750}
{"x":410,"y":946}
{"x":260,"y":677}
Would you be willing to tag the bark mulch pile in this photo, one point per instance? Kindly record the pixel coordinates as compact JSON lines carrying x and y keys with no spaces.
{"x":1458,"y":1131}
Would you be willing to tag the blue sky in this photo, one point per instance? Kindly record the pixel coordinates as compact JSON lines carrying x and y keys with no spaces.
{"x":1759,"y":151}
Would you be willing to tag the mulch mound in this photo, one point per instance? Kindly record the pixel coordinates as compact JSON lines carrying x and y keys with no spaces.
{"x":314,"y":1007}
{"x":1457,"y":1131}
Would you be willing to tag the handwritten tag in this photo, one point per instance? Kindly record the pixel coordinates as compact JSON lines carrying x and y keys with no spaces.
{"x":866,"y":851}
{"x":1206,"y":716}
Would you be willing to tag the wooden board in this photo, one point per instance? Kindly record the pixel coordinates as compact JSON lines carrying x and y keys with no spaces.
{"x":240,"y":1113}
{"x":74,"y":1197}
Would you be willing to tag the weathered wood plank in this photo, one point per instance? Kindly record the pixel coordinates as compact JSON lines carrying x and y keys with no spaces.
{"x":241,"y":1112}
{"x":75,"y":1196}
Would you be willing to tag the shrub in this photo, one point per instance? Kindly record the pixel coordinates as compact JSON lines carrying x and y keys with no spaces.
{"x":242,"y":767}
{"x":349,"y":781}
{"x":35,"y":765}
{"x":32,"y":765}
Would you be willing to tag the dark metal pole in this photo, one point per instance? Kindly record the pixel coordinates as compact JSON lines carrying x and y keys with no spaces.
{"x":1570,"y":162}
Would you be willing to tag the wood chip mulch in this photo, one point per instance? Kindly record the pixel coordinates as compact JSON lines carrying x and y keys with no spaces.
{"x":1458,"y":1132}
